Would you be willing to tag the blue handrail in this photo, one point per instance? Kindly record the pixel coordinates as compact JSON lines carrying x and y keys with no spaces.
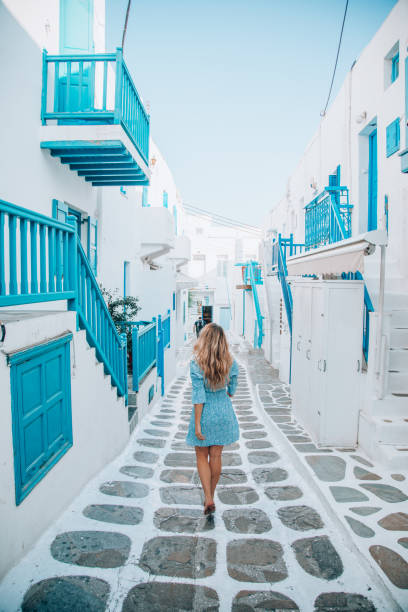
{"x":253,"y":274}
{"x":79,"y":89}
{"x":144,"y":351}
{"x":368,"y":307}
{"x":328,"y":217}
{"x":166,"y":330}
{"x":281,"y":248}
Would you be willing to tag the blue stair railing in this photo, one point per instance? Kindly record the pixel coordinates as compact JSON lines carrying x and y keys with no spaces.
{"x":42,"y":259}
{"x":253,"y":277}
{"x":144,"y":351}
{"x":368,"y":307}
{"x":166,"y":330}
{"x":75,"y":90}
{"x":328,"y":217}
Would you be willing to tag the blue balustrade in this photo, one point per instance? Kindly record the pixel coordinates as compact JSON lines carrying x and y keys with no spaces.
{"x":328,"y":217}
{"x":368,"y":307}
{"x":94,"y":89}
{"x":166,"y":330}
{"x":252,"y":275}
{"x":144,"y":351}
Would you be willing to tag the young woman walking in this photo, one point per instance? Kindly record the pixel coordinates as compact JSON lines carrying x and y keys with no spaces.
{"x":213,"y":424}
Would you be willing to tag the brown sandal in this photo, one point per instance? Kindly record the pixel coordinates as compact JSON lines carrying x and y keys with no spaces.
{"x":210,"y":509}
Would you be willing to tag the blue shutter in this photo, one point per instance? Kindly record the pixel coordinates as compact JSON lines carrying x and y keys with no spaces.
{"x":41,"y":411}
{"x":59,"y":210}
{"x":395,"y":67}
{"x":165,"y":199}
{"x":145,"y":197}
{"x":93,"y":244}
{"x":393,"y":137}
{"x":76,"y":26}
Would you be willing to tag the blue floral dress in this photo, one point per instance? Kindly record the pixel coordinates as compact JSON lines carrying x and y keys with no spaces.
{"x":219,"y":424}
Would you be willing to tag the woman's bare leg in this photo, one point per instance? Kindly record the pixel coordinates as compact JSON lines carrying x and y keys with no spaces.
{"x":215,"y":466}
{"x":204,"y":472}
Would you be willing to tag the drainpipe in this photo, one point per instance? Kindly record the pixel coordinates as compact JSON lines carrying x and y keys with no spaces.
{"x":381,"y":340}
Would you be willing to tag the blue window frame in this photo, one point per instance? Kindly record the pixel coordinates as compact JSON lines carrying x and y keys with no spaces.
{"x":165,"y":199}
{"x":145,"y":197}
{"x":41,"y":411}
{"x":394,"y":67}
{"x":393,"y":137}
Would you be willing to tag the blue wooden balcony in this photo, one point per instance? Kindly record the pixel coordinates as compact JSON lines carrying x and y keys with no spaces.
{"x":94,"y":119}
{"x":328,"y":217}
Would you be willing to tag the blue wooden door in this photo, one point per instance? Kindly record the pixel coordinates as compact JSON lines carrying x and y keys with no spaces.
{"x":372,"y":181}
{"x":41,"y":411}
{"x":225,"y":317}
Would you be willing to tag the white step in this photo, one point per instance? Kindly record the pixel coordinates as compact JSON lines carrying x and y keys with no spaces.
{"x":391,"y":406}
{"x":399,"y":337}
{"x":393,"y":457}
{"x":398,"y":359}
{"x":397,"y":382}
{"x":391,"y":430}
{"x":399,"y":318}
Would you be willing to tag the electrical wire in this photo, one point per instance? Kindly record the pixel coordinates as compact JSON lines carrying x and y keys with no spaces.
{"x":126,"y":23}
{"x":220,"y":219}
{"x":323,"y":112}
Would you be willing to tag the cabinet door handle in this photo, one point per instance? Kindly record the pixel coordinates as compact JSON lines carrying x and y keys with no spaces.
{"x":358,"y":365}
{"x":298,"y":345}
{"x":308,"y":353}
{"x":321,"y":364}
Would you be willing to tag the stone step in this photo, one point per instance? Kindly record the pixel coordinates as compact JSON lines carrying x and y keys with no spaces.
{"x":393,"y":457}
{"x":397,"y":381}
{"x":399,"y":318}
{"x":398,"y":359}
{"x":391,"y":430}
{"x":399,"y":337}
{"x":390,"y":407}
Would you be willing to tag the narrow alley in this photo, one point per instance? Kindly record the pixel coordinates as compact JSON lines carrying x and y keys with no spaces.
{"x":136,"y":537}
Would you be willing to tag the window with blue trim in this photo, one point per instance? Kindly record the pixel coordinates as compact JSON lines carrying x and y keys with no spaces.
{"x":145,"y":197}
{"x":393,"y":137}
{"x":394,"y":67}
{"x":165,"y":199}
{"x":41,"y":411}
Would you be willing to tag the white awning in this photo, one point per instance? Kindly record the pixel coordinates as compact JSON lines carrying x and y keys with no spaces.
{"x":345,"y":256}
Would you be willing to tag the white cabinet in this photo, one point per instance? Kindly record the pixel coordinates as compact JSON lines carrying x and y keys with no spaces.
{"x":326,"y":358}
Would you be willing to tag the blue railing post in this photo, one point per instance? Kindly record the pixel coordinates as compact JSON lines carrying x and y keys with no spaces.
{"x":123,"y":338}
{"x":160,"y":349}
{"x":118,"y":85}
{"x":135,"y":358}
{"x":73,"y":265}
{"x":44,"y":87}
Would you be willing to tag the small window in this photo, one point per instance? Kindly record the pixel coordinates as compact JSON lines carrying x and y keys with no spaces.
{"x":391,"y":66}
{"x":393,"y":137}
{"x":394,"y":67}
{"x":145,"y":197}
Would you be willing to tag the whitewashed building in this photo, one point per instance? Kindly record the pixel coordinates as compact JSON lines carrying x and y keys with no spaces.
{"x":342,"y":226}
{"x":86,"y":201}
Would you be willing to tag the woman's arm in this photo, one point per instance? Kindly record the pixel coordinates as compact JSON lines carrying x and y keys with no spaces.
{"x":198,"y":409}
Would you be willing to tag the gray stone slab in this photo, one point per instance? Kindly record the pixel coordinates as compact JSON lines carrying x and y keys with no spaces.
{"x":295,"y":438}
{"x":399,"y":477}
{"x":237,"y":496}
{"x":284,"y":493}
{"x":189,"y":496}
{"x":258,"y":444}
{"x":403,"y":542}
{"x":327,"y":469}
{"x":392,"y":564}
{"x":387,"y":493}
{"x":179,"y":556}
{"x":246,"y":601}
{"x":157,"y":432}
{"x":180,"y":460}
{"x":362,"y":460}
{"x":181,"y":446}
{"x":124,"y":488}
{"x":363,"y":474}
{"x":364,"y":510}
{"x":182,"y":520}
{"x":347,"y":494}
{"x":300,"y":518}
{"x":164,"y":411}
{"x":91,"y":548}
{"x":256,"y":560}
{"x":278,"y":411}
{"x":229,"y":476}
{"x":281,"y":419}
{"x":183,"y":427}
{"x":151,"y":442}
{"x":265,"y":475}
{"x":250,"y":426}
{"x":245,"y":419}
{"x":360,"y":528}
{"x":343,"y":602}
{"x":318,"y":557}
{"x":261,"y":457}
{"x":170,"y":596}
{"x":67,"y":594}
{"x":250,"y":520}
{"x":137,"y":471}
{"x":177,"y":476}
{"x":180,"y":435}
{"x":112,"y":513}
{"x":311,"y":448}
{"x":230,"y":447}
{"x":160,"y":423}
{"x":254,"y":435}
{"x":145,"y":457}
{"x":398,"y":521}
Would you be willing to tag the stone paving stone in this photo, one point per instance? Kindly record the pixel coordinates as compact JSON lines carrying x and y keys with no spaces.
{"x":177,"y":476}
{"x":156,"y":432}
{"x":151,"y":442}
{"x":281,"y":419}
{"x":233,"y":446}
{"x":285,"y":493}
{"x":395,"y":522}
{"x":111,"y":513}
{"x":347,"y":494}
{"x":247,"y":418}
{"x":179,"y":556}
{"x":228,"y":477}
{"x":237,"y":496}
{"x":166,"y":411}
{"x":145,"y":457}
{"x":256,"y":560}
{"x":362,"y":460}
{"x":300,"y":518}
{"x":254,"y":435}
{"x":260,"y":457}
{"x":386,"y":492}
{"x":318,"y":557}
{"x":343,"y":602}
{"x":281,"y":411}
{"x":161,"y":423}
{"x":327,"y":469}
{"x":181,"y":446}
{"x":392,"y":564}
{"x":91,"y":548}
{"x":183,"y":427}
{"x":363,"y":474}
{"x":364,"y":510}
{"x":250,"y":520}
{"x":359,"y":528}
{"x":169,"y":596}
{"x":311,"y":448}
{"x":124,"y":488}
{"x":399,"y":477}
{"x":263,"y":475}
{"x":181,"y":435}
{"x":67,"y":594}
{"x":191,"y":496}
{"x":180,"y":460}
{"x":137,"y":471}
{"x":182,"y":520}
{"x":246,"y":601}
{"x":299,"y":439}
{"x":403,"y":542}
{"x":251,"y":426}
{"x":258,"y":444}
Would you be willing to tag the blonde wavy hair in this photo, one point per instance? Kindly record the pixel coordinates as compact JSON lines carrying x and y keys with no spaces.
{"x":212,"y":355}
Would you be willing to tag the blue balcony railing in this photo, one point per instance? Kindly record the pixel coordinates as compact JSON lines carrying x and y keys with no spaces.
{"x":144,"y":351}
{"x":252,"y":275}
{"x":166,"y":330}
{"x":94,"y":89}
{"x":328,"y":218}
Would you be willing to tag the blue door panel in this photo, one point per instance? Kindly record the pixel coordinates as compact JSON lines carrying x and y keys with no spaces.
{"x":372,"y":181}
